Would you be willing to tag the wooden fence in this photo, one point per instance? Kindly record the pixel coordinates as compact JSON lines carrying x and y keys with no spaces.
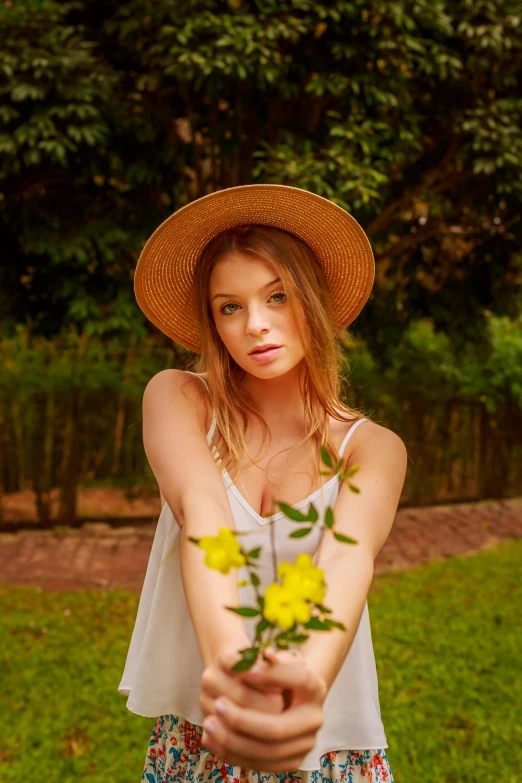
{"x":70,"y":417}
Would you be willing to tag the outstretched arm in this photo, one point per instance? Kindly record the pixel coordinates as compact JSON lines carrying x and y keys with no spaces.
{"x":189,"y":480}
{"x":178,"y":453}
{"x":208,"y":591}
{"x":368,"y":518}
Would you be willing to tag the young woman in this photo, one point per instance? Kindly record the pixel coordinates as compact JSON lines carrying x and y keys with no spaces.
{"x":260,"y":281}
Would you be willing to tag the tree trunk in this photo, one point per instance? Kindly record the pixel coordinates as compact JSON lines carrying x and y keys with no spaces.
{"x":120,"y":414}
{"x":18,"y":444}
{"x":67,"y":514}
{"x":43,"y":475}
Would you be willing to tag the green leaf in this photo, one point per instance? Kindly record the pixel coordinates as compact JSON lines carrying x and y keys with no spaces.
{"x":256,"y":580}
{"x":323,"y":609}
{"x":300,"y":533}
{"x":262,"y":625}
{"x":244,"y":611}
{"x":254,"y":552}
{"x":300,"y":638}
{"x":329,"y":517}
{"x":313,"y":514}
{"x":248,"y":658}
{"x":344,"y":539}
{"x":292,"y":636}
{"x":249,"y":653}
{"x":354,"y":488}
{"x":194,"y":540}
{"x":315,"y":624}
{"x":325,"y":456}
{"x":293,"y":513}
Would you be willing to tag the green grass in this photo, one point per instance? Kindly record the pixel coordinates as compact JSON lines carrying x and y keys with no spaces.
{"x":61,"y":717}
{"x":447,"y":643}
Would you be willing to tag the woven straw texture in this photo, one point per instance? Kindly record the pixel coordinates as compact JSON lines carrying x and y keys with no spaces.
{"x":163,"y":279}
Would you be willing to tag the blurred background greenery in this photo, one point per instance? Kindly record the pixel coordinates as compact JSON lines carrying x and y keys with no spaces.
{"x":407,"y":113}
{"x":71,"y":410}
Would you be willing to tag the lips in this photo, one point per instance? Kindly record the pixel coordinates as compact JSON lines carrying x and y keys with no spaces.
{"x":263,"y":348}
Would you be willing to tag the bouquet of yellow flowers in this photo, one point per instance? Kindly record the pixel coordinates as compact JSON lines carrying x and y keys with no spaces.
{"x":295,"y":604}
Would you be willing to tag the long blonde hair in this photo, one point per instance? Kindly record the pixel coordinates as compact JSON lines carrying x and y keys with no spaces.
{"x":320,"y":381}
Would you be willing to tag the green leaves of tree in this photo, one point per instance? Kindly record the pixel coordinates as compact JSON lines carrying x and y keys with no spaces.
{"x":407,"y":115}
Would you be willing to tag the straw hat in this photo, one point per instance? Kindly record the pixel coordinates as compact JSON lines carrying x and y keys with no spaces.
{"x":164,"y":275}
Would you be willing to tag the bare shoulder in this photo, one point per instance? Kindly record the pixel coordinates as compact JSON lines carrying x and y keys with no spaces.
{"x":368,"y":514}
{"x":372,"y":431}
{"x":174,"y":438}
{"x":373,"y":442}
{"x":169,"y":384}
{"x":174,"y":381}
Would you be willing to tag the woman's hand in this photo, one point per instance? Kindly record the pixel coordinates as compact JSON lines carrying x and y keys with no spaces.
{"x":275,"y":742}
{"x":218,"y":680}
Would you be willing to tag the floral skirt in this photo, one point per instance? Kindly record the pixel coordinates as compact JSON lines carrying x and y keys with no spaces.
{"x":175,"y":755}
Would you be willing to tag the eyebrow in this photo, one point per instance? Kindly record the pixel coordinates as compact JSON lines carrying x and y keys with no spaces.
{"x":272,"y":282}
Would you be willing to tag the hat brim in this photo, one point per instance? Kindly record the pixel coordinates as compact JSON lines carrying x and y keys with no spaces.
{"x":164,"y":275}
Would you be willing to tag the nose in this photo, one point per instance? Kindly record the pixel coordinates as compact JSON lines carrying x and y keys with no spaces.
{"x":257,"y":322}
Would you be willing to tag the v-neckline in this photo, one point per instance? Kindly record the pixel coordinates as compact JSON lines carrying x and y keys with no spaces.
{"x":230,"y":484}
{"x":278,"y":514}
{"x":264,"y":520}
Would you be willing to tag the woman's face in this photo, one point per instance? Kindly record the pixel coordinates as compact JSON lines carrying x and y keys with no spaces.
{"x":251,"y":309}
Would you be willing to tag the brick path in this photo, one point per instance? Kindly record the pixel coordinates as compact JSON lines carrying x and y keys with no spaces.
{"x":97,"y":556}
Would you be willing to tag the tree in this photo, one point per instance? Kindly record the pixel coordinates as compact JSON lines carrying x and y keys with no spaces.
{"x":407,"y":114}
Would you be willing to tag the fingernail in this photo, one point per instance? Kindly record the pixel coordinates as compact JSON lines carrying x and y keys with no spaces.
{"x":210,"y":725}
{"x":207,"y":741}
{"x":221,"y":707}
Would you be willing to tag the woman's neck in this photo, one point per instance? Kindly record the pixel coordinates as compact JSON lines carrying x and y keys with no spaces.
{"x":276,"y":399}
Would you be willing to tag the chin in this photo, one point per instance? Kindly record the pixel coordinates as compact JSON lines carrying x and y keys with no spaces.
{"x":274,"y":369}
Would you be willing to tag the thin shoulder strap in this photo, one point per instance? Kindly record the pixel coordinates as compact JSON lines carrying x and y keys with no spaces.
{"x":349,"y":434}
{"x":210,"y":433}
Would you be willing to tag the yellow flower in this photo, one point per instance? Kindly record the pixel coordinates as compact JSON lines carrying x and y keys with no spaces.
{"x":284,"y":607}
{"x":223,"y":551}
{"x":303,"y":578}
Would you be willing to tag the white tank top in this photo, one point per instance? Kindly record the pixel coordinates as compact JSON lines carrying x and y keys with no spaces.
{"x":163,"y":668}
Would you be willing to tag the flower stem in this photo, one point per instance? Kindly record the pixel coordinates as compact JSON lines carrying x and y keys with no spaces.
{"x":272,"y":544}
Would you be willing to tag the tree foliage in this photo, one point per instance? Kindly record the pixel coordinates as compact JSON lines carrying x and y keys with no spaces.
{"x":406,"y":113}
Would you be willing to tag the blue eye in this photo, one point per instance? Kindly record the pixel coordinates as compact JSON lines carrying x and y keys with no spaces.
{"x":233,"y":304}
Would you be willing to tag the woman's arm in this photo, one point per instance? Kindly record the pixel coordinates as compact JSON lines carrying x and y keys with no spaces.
{"x":190,"y":481}
{"x":368,"y":518}
{"x":230,"y":632}
{"x":208,"y":591}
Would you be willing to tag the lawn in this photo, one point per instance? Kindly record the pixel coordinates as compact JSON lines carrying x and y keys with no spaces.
{"x":447,"y":640}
